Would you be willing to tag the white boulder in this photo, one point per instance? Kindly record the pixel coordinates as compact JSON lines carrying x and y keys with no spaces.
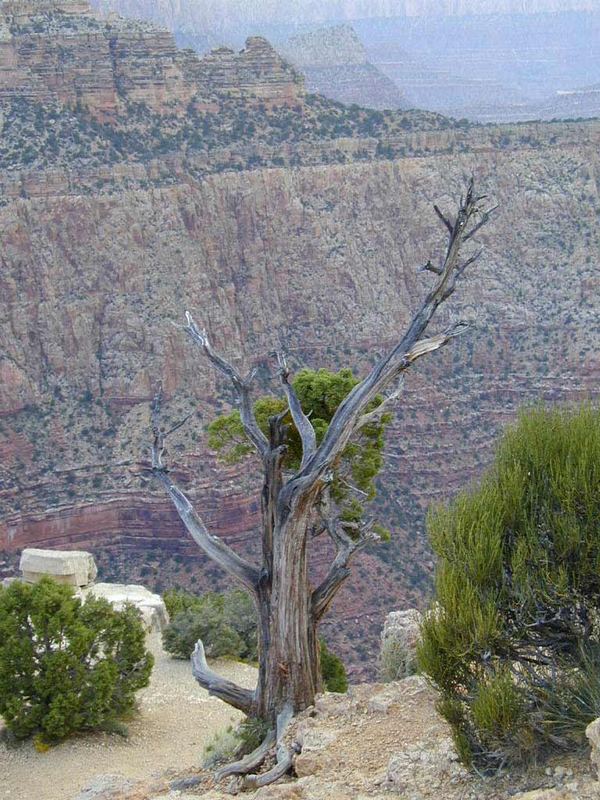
{"x":399,"y":640}
{"x":153,"y":610}
{"x":593,"y":734}
{"x":73,"y":567}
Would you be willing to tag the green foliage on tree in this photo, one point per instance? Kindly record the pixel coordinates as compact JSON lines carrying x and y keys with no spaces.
{"x":333,"y":670}
{"x":320,"y":392}
{"x":513,"y":641}
{"x":65,"y":665}
{"x":226,"y":623}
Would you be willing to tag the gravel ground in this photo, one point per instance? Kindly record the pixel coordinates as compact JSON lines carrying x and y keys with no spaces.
{"x":176,"y":718}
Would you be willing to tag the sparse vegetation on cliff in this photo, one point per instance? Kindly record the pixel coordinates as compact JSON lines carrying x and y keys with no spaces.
{"x":513,"y":639}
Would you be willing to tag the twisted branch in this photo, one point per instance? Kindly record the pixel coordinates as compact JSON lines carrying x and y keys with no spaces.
{"x":241,"y":385}
{"x":307,"y":433}
{"x":213,"y":546}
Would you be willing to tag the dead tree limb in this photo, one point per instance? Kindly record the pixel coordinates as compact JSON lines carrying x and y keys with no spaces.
{"x":250,"y":762}
{"x":399,"y":359}
{"x":285,"y":755}
{"x":301,"y":421}
{"x":234,"y":695}
{"x":241,"y":385}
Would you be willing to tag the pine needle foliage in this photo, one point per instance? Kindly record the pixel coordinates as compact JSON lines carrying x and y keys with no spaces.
{"x":65,"y":665}
{"x":512,"y":641}
{"x":320,"y":392}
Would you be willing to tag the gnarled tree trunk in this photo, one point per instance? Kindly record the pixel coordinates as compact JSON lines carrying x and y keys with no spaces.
{"x":295,"y":506}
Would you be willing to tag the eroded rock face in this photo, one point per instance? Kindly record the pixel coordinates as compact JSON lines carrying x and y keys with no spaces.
{"x":151,"y":606}
{"x":593,"y":734}
{"x":73,"y":567}
{"x":60,"y":50}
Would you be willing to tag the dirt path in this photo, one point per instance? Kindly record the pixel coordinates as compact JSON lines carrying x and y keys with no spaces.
{"x":176,"y":719}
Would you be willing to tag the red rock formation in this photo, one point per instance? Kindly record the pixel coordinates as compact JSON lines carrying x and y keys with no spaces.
{"x":59,"y":50}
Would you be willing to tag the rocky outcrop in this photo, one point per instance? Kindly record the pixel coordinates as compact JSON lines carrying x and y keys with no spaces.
{"x":399,"y":640}
{"x":73,"y":567}
{"x":60,"y":51}
{"x":593,"y":734}
{"x":151,"y":606}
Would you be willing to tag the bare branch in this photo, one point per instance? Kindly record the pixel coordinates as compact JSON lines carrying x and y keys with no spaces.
{"x":375,"y":416}
{"x":241,"y":385}
{"x":285,"y":755}
{"x":250,"y":762}
{"x":214,"y":547}
{"x":220,"y":687}
{"x":307,"y":433}
{"x":444,"y":219}
{"x":347,"y":548}
{"x":485,"y":218}
{"x":409,"y":348}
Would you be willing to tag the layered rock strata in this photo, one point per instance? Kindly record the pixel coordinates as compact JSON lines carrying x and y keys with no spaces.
{"x":62,"y":51}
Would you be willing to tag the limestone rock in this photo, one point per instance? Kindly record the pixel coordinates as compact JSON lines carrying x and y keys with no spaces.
{"x":593,"y":734}
{"x":73,"y":567}
{"x":421,"y":770}
{"x":105,"y":787}
{"x":152,"y":607}
{"x":399,"y":641}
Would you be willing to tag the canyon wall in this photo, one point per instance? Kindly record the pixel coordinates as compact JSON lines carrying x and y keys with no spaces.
{"x":281,"y":221}
{"x":323,"y":259}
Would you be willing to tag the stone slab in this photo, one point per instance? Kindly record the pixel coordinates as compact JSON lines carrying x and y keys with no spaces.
{"x":73,"y":567}
{"x":152,"y":607}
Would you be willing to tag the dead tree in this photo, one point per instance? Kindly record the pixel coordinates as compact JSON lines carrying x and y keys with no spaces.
{"x":295,"y":505}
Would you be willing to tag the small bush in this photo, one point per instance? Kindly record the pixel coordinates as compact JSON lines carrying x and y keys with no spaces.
{"x":65,"y":665}
{"x":225,"y":623}
{"x":396,"y":660}
{"x":333,"y":670}
{"x":225,"y":746}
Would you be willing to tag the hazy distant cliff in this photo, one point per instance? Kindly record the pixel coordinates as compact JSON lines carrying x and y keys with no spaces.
{"x":213,"y":15}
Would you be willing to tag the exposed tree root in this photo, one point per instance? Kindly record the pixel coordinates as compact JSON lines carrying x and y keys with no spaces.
{"x":250,"y":762}
{"x":285,"y":756}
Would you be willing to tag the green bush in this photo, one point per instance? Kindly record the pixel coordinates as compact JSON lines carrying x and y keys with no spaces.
{"x":65,"y":665}
{"x":333,"y":670}
{"x":226,"y":623}
{"x":224,"y":747}
{"x":513,"y":639}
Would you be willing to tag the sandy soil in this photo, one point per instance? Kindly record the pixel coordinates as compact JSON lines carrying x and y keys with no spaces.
{"x":175,"y":721}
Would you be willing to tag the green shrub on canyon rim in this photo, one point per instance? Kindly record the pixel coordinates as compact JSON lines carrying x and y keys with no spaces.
{"x":513,"y":642}
{"x":65,"y":665}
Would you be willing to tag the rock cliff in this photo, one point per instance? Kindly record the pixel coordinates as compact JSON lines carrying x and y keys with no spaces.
{"x":59,"y":50}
